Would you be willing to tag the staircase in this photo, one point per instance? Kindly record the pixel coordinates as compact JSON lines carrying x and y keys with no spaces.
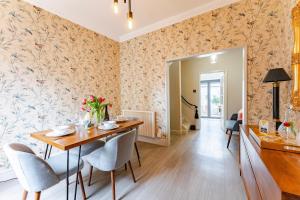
{"x":185,"y":126}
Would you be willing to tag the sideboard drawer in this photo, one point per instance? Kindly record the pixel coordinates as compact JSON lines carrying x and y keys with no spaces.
{"x":247,"y":174}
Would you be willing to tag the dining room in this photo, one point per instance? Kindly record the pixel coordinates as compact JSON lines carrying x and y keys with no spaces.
{"x":84,"y":98}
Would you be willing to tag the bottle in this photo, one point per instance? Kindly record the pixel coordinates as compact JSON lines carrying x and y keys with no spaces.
{"x":282,"y":129}
{"x":106,"y":115}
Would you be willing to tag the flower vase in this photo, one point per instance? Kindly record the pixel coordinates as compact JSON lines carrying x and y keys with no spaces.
{"x":290,"y":134}
{"x":98,"y":118}
{"x":86,"y":122}
{"x":282,"y":130}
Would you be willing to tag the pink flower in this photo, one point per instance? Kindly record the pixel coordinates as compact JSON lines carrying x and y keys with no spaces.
{"x":101,"y":99}
{"x":84,"y":101}
{"x":92,"y":98}
{"x":82,"y":108}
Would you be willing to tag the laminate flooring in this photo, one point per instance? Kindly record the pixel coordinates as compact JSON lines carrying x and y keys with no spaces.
{"x":196,"y":166}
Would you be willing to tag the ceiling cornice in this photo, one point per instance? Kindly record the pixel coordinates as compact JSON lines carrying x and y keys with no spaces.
{"x":177,"y":18}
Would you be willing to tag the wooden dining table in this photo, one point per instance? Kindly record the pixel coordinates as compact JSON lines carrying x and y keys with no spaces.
{"x":80,"y":137}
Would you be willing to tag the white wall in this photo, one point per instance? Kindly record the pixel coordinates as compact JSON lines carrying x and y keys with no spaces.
{"x":175,"y":96}
{"x":231,"y":62}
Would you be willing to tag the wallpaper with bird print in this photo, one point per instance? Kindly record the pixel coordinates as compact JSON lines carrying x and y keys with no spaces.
{"x":47,"y":65}
{"x":263,"y":27}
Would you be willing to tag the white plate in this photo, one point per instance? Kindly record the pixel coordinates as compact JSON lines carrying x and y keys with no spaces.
{"x":61,"y":128}
{"x":109,"y":122}
{"x":59,"y":133}
{"x":106,"y":129}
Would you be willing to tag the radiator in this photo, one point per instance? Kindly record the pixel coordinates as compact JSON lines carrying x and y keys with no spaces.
{"x":148,"y":117}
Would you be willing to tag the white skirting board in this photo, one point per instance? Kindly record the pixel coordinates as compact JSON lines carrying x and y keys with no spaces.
{"x":156,"y":141}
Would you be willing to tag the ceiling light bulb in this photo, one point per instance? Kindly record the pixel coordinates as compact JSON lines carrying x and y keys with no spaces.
{"x":130,"y":23}
{"x":116,"y":8}
{"x":213,"y":59}
{"x":130,"y":20}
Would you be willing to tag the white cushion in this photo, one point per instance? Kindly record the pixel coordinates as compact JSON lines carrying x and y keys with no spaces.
{"x":229,"y":124}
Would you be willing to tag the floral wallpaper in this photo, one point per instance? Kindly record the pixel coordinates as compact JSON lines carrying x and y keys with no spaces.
{"x":47,"y":65}
{"x":263,"y":26}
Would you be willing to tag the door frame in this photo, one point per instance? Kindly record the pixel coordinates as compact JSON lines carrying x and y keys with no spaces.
{"x":180,"y":102}
{"x":245,"y":88}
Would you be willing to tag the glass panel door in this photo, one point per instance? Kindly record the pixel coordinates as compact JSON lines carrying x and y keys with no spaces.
{"x":211,"y":99}
{"x":204,"y":100}
{"x":215,"y":99}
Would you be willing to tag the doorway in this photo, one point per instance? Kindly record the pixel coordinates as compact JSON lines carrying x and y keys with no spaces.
{"x":211,"y":95}
{"x":216,"y":97}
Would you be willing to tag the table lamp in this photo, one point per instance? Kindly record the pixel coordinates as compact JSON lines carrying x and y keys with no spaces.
{"x":275,"y":76}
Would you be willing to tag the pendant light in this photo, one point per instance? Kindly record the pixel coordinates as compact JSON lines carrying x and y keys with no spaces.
{"x":116,"y":8}
{"x":129,"y":14}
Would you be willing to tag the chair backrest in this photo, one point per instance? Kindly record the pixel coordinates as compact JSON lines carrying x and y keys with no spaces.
{"x":236,"y":126}
{"x":117,"y":151}
{"x":234,"y":117}
{"x":133,"y":118}
{"x":33,"y":173}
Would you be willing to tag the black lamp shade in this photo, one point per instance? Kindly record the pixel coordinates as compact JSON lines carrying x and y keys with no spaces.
{"x":276,"y":75}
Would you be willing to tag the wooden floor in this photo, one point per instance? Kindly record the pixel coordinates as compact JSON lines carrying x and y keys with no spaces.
{"x":196,"y":166}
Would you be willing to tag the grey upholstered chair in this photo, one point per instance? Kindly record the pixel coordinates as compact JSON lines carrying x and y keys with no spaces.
{"x":107,"y":139}
{"x":86,"y":149}
{"x":36,"y":174}
{"x":115,"y":153}
{"x":232,"y":125}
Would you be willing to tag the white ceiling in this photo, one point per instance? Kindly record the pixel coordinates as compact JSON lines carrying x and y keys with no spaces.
{"x":149,"y":15}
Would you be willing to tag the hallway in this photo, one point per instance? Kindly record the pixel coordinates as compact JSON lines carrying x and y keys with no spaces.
{"x":196,"y":166}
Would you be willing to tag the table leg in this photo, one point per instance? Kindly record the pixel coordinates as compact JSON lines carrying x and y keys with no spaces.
{"x":46,"y":152}
{"x":67,"y":179}
{"x":50,"y":151}
{"x":78,"y":163}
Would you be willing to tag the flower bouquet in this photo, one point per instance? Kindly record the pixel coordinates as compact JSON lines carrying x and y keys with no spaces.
{"x":95,"y":108}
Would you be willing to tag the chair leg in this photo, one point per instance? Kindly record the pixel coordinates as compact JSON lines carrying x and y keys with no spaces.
{"x":125,"y":166}
{"x":90,"y":176}
{"x":230,"y":134}
{"x":37,"y":196}
{"x":82,"y":186}
{"x":137,"y":153}
{"x":25,"y":193}
{"x":130,"y":167}
{"x":113,"y":184}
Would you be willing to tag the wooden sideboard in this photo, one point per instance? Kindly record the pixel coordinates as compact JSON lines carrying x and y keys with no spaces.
{"x":268,"y":174}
